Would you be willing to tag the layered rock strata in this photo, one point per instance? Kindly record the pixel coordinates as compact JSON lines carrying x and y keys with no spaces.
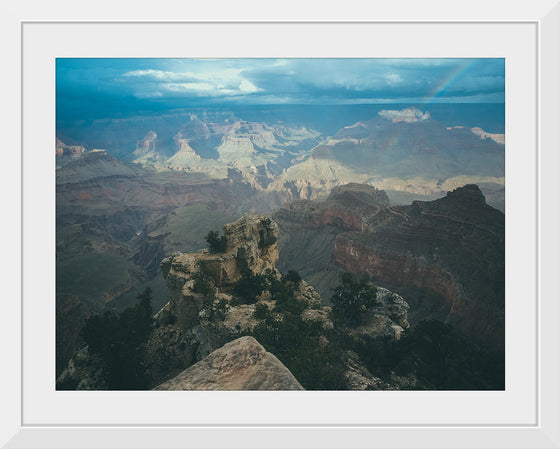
{"x":447,"y":256}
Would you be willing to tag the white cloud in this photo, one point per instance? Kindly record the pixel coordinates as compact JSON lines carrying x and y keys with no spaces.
{"x":393,"y":78}
{"x":224,"y":82}
{"x":248,"y":87}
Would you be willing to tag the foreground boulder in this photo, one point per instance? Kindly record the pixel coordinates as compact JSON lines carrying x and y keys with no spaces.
{"x":242,"y":364}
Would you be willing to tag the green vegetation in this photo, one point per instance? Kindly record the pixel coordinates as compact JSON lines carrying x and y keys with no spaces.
{"x":262,"y":312}
{"x":282,"y":291}
{"x":118,"y":340}
{"x":216,"y":244}
{"x":287,"y":303}
{"x":444,"y":359}
{"x":215,"y":309}
{"x":202,"y":285}
{"x":297,"y":343}
{"x":433,"y":353}
{"x":292,"y":276}
{"x":249,"y":287}
{"x":351,"y":299}
{"x":436,"y":354}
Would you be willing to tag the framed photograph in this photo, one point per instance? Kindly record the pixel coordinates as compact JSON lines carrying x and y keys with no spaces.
{"x":513,"y":55}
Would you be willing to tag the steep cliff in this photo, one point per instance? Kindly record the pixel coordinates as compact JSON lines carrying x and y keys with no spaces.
{"x":445,"y":256}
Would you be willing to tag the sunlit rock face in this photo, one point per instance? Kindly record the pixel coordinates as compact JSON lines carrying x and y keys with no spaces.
{"x":408,"y":115}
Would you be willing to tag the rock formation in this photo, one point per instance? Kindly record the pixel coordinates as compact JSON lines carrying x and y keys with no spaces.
{"x":388,"y":319}
{"x":251,"y":251}
{"x":242,"y":364}
{"x":251,"y":248}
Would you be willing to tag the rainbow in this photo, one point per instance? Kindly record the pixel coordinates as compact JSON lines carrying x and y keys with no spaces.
{"x":451,"y":77}
{"x":457,"y":72}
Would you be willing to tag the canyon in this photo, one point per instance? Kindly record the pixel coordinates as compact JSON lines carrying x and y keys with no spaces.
{"x":413,"y":203}
{"x":204,"y":337}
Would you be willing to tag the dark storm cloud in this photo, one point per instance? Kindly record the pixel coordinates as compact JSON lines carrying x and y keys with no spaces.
{"x":121,"y":85}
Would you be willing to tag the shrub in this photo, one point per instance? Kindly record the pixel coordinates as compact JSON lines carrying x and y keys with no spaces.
{"x":297,"y":345}
{"x":119,"y":341}
{"x":287,"y":303}
{"x":444,"y":359}
{"x":350,"y":299}
{"x":261,"y":312}
{"x":202,"y":285}
{"x":293,"y":277}
{"x":437,"y":355}
{"x":249,"y":287}
{"x":216,"y":244}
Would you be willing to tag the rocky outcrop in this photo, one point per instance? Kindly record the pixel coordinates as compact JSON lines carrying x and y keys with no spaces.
{"x":251,"y":245}
{"x":498,"y":138}
{"x":146,"y":145}
{"x":251,"y":249}
{"x":387,"y":320}
{"x":253,"y":239}
{"x":242,"y":364}
{"x":345,"y":208}
{"x":83,"y":166}
{"x":68,"y":151}
{"x":83,"y":372}
{"x":358,"y":377}
{"x":187,"y":160}
{"x":399,"y":269}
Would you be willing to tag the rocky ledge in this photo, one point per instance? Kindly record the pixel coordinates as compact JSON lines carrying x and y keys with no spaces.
{"x":251,"y":247}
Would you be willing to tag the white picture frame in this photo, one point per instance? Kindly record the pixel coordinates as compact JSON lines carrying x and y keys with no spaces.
{"x":537,"y":428}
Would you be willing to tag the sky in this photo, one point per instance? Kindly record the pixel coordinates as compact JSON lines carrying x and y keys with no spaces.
{"x":119,"y":86}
